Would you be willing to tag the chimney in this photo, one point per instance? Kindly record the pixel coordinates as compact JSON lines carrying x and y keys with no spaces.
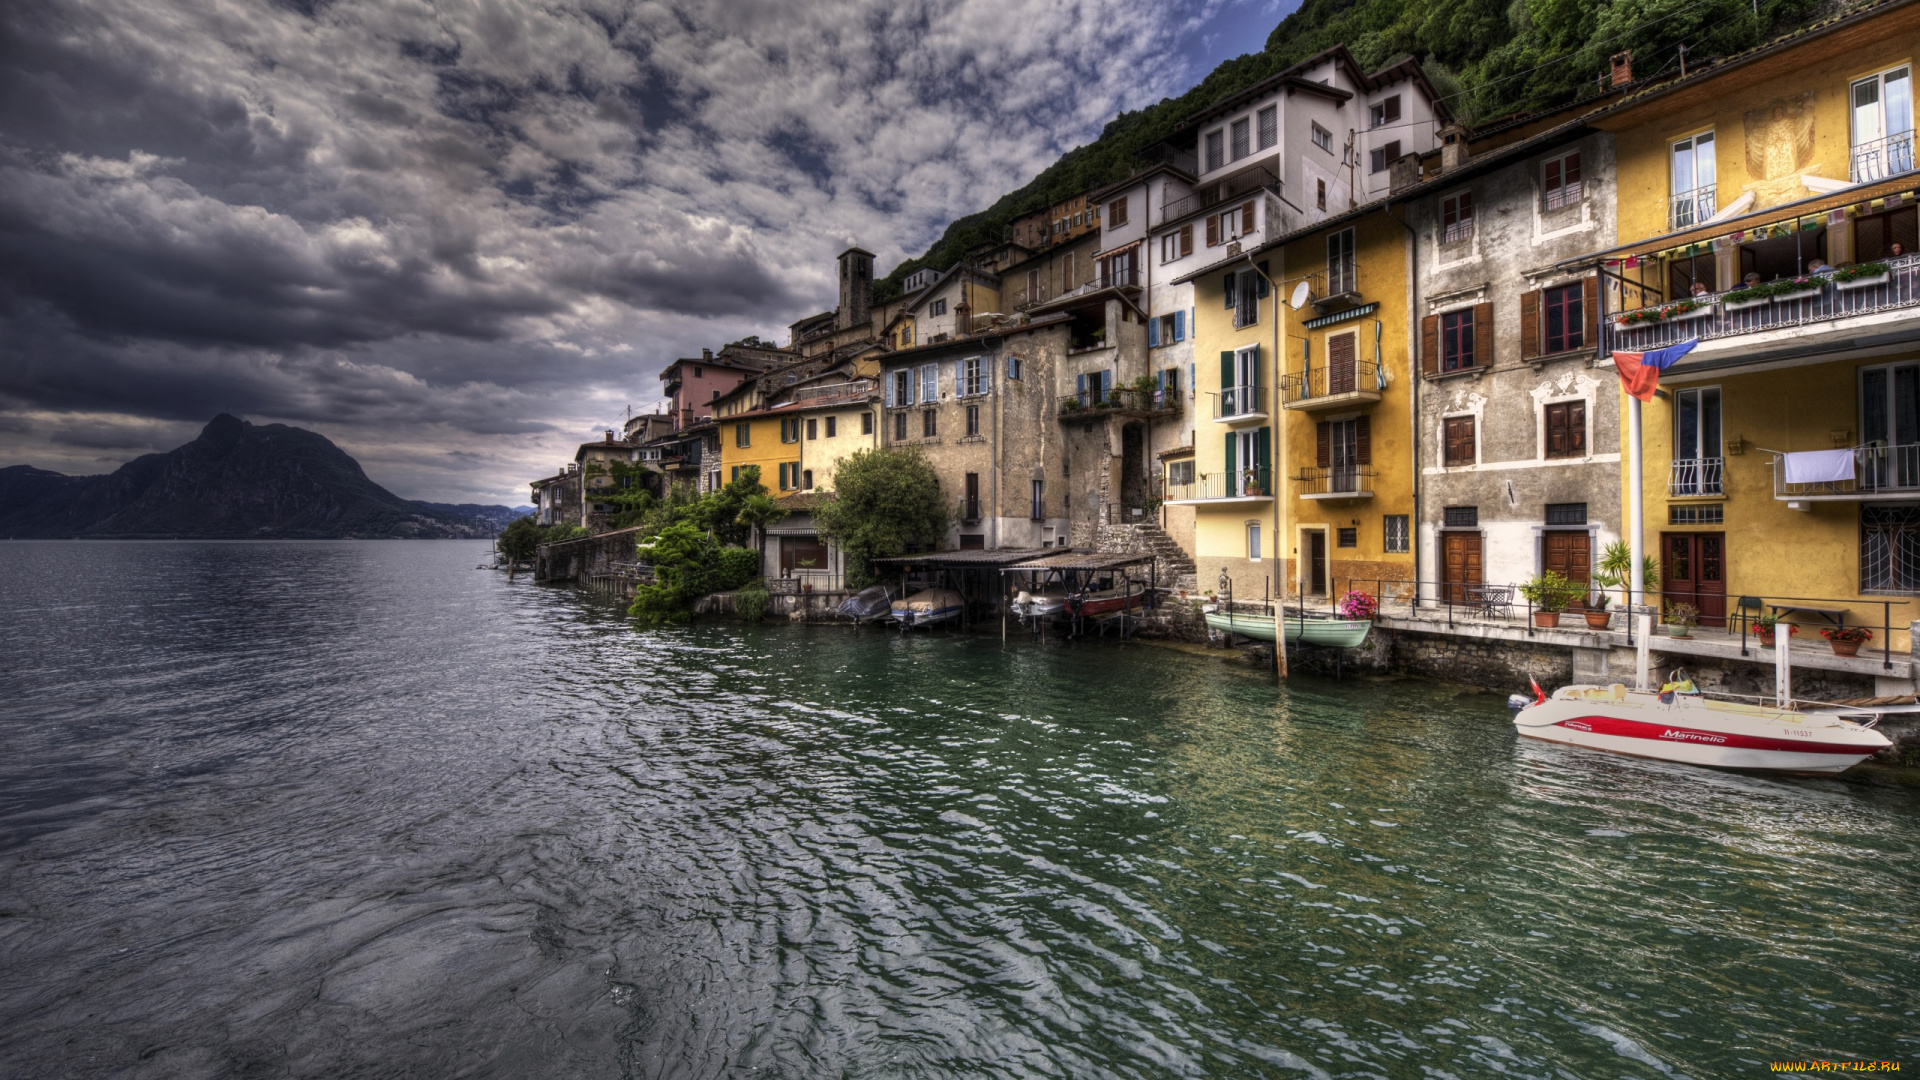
{"x":1453,"y":147}
{"x":706,"y":354}
{"x":1403,"y":173}
{"x":1622,"y":68}
{"x":609,"y":434}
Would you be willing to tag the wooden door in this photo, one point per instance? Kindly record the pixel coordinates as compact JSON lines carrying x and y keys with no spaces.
{"x":1693,"y":571}
{"x":1317,"y":562}
{"x":1570,"y":553}
{"x":1459,"y":564}
{"x":1340,"y":364}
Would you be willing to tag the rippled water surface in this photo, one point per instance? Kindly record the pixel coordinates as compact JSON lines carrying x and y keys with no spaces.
{"x":360,"y":809}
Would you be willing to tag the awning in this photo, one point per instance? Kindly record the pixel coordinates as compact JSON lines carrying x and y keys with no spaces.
{"x":1341,"y":316}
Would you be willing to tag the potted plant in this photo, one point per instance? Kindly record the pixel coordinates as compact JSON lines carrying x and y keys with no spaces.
{"x":806,"y":584}
{"x":1615,"y":570}
{"x":1358,"y":605}
{"x":1550,"y":592}
{"x":1846,"y":640}
{"x":1861,"y":275}
{"x":1598,"y":617}
{"x":1680,"y":619}
{"x":1803,"y":287}
{"x":1766,"y":625}
{"x":1250,"y":483}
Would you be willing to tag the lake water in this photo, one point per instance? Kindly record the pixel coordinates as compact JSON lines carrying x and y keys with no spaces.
{"x":361,"y":809}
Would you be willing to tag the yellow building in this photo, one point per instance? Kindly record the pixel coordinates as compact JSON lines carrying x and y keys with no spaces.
{"x":1782,"y":455}
{"x":1303,"y":431}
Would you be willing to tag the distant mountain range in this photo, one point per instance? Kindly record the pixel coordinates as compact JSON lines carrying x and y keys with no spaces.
{"x":236,"y":481}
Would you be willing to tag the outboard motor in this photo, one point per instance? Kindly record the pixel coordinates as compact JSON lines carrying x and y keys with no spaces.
{"x":1516,"y":702}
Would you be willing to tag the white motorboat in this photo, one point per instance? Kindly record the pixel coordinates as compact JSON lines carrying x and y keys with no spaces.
{"x":928,"y":606}
{"x":1039,"y":605}
{"x":1696,"y":730}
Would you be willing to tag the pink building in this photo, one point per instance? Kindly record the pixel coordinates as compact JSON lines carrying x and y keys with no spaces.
{"x":694,"y":385}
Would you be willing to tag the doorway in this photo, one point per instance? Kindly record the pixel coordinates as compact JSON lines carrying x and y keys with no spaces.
{"x":1569,"y":552}
{"x":1693,"y":571}
{"x":1460,"y":564}
{"x":1316,"y":562}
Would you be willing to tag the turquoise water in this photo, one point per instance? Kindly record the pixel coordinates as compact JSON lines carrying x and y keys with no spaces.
{"x":362,"y":809}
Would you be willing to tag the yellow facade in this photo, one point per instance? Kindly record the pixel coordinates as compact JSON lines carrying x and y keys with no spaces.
{"x":1339,"y":456}
{"x":764,"y":439}
{"x":830,"y":433}
{"x":798,"y":447}
{"x":1783,"y":133}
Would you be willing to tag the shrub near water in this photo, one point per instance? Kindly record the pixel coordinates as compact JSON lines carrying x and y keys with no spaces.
{"x":687,"y":550}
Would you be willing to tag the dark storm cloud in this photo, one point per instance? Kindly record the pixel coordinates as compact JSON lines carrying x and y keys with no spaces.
{"x":458,"y":239}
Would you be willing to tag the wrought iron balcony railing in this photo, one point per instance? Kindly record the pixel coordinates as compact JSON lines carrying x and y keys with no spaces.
{"x":1882,"y":158}
{"x":1119,"y":399}
{"x":1712,"y":316}
{"x":1689,"y":208}
{"x":1242,"y":484}
{"x":1207,"y":196}
{"x":1695,"y":477}
{"x":1240,"y":401}
{"x":1331,"y":381}
{"x":1336,"y":480}
{"x":1878,"y":469}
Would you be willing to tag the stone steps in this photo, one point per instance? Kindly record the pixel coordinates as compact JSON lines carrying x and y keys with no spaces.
{"x":1174,"y":568}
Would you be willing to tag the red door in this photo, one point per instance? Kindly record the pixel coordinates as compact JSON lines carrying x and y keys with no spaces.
{"x":1693,"y":571}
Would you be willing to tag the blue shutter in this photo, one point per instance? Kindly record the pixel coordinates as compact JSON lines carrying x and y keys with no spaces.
{"x":1080,"y":387}
{"x":1193,"y":379}
{"x":1153,"y":333}
{"x":1107,"y":390}
{"x":889,"y":382}
{"x":1180,"y":326}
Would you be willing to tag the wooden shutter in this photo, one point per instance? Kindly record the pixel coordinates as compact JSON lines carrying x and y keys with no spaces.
{"x":1430,"y":345}
{"x":1323,"y":444}
{"x":1186,"y":239}
{"x":1459,"y":448}
{"x":1483,"y":335}
{"x":1213,"y":230}
{"x":1556,"y":431}
{"x":1246,"y":217}
{"x":1530,"y":324}
{"x":1363,"y":440}
{"x":1230,"y":280}
{"x":1340,"y":365}
{"x":1590,"y":311}
{"x":1576,"y":429}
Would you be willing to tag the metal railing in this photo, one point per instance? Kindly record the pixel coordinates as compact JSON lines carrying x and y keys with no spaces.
{"x":1236,"y":401}
{"x":1184,"y":160}
{"x":1877,"y":469}
{"x":1336,"y":480}
{"x":1240,"y":484}
{"x":1331,"y":380}
{"x":1824,"y":300}
{"x":1245,"y":182}
{"x":1693,"y":477}
{"x":1686,"y":209}
{"x":1457,"y":232}
{"x":1128,"y":278}
{"x":1027,"y":298}
{"x":967,"y":509}
{"x":1122,"y":398}
{"x":1882,"y":158}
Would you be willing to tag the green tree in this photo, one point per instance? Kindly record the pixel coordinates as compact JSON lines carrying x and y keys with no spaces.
{"x":719,"y":511}
{"x":888,"y":501}
{"x":758,"y":512}
{"x":519,"y":541}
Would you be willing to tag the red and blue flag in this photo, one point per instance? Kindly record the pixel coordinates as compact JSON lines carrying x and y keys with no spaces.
{"x":1640,"y":371}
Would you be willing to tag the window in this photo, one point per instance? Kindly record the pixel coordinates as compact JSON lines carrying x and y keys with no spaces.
{"x":1882,"y":125}
{"x":1169,"y":384}
{"x":938,"y":307}
{"x":1698,"y":514}
{"x":1461,"y":517}
{"x":1341,"y":276}
{"x":1889,"y":548}
{"x":1385,"y":112}
{"x":1346,"y":537}
{"x":1253,"y":541}
{"x":1269,"y":126}
{"x":1323,"y":138}
{"x":973,"y":378}
{"x":906,"y":335}
{"x":902,"y":395}
{"x":742,"y":435}
{"x":696,"y":371}
{"x":1566,"y":513}
{"x":1456,"y":218}
{"x":735,"y":475}
{"x":813,"y":430}
{"x":1567,"y":430}
{"x":1560,"y":182}
{"x":1697,"y":423}
{"x":1394,"y":539}
{"x":929,"y":382}
{"x":1566,"y":318}
{"x":1180,"y":473}
{"x":929,"y":427}
{"x":1013,"y":368}
{"x":1165,"y":329}
{"x":832,"y":423}
{"x":1459,"y":440}
{"x":1385,"y":156}
{"x":1242,"y":138}
{"x":1890,"y":421}
{"x":973,"y":420}
{"x":866,"y":423}
{"x":1117,"y":213}
{"x":1216,"y":150}
{"x":1693,"y":182}
{"x":1038,"y":511}
{"x":900,"y":425}
{"x":790,"y":430}
{"x":1320,"y":194}
{"x":1456,"y":340}
{"x":1177,"y":244}
{"x":806,"y":480}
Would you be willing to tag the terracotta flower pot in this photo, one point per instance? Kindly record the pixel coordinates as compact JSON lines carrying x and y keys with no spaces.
{"x":1599,"y":620}
{"x":1766,"y":639}
{"x":1845,"y":648}
{"x":1546,"y":619}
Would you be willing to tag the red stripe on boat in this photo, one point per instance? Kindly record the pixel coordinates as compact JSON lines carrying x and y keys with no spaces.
{"x":1636,"y":729}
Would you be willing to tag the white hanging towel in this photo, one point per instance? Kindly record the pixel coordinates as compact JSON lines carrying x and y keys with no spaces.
{"x":1819,"y":466}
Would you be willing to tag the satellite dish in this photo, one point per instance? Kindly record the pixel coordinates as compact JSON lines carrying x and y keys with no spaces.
{"x":1300,"y":294}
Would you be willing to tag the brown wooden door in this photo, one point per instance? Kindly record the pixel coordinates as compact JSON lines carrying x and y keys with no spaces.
{"x":1693,"y":571}
{"x":1459,"y":563}
{"x":1570,"y":553}
{"x":1317,"y":562}
{"x":1340,"y":365}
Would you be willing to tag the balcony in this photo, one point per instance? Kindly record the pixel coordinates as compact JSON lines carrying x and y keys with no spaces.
{"x":1878,"y":472}
{"x":1240,"y":184}
{"x":1027,"y":298}
{"x":1119,"y":279}
{"x":1240,"y":404}
{"x":1689,"y":208}
{"x":1245,"y":486}
{"x":1336,"y":483}
{"x":1696,"y":478}
{"x":1882,"y":158}
{"x":1714,"y":316}
{"x":1124,"y":401}
{"x":968,"y":510}
{"x":1355,"y":383}
{"x":1162,"y":154}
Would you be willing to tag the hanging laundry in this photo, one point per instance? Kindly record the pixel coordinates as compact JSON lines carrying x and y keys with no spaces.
{"x":1818,"y":466}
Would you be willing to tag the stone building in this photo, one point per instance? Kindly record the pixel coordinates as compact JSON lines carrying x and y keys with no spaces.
{"x":556,"y":498}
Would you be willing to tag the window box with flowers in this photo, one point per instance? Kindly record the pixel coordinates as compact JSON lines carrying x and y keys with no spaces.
{"x":1767,"y":625}
{"x":1861,"y":275}
{"x":1781,"y":291}
{"x":1846,"y":640}
{"x":1677,"y":311}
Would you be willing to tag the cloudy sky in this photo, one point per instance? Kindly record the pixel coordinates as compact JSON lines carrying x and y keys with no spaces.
{"x":457,"y":238}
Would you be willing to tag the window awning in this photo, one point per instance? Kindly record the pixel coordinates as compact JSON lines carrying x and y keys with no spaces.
{"x":1698,"y":240}
{"x":1341,"y":316}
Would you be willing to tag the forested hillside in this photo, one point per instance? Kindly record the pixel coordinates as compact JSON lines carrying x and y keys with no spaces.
{"x":1490,"y":57}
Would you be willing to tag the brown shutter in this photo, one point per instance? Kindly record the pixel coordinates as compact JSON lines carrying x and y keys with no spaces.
{"x":1213,"y":230}
{"x":1323,"y":444}
{"x":1186,"y":239}
{"x":1483,"y":335}
{"x":1430,"y":345}
{"x":1530,"y":324}
{"x":1576,"y":429}
{"x":1246,"y":217}
{"x":1363,"y":440}
{"x":1590,"y":311}
{"x":1556,"y":431}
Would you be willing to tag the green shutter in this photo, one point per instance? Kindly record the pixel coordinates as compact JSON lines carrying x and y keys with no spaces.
{"x":1228,"y":281}
{"x":1233,"y":466}
{"x":1263,"y":448}
{"x":1226,"y":370}
{"x":1257,"y":370}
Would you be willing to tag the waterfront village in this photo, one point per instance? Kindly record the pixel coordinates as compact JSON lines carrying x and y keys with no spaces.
{"x":1327,"y":344}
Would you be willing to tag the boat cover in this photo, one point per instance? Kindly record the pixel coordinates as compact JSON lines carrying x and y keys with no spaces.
{"x":929,"y":600}
{"x":866,"y":603}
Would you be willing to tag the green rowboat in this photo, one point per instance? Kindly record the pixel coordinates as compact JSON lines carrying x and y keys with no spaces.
{"x":1338,"y":633}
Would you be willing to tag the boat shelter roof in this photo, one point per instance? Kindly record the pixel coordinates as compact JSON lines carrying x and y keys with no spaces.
{"x":1083,"y":560}
{"x":973,"y":559}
